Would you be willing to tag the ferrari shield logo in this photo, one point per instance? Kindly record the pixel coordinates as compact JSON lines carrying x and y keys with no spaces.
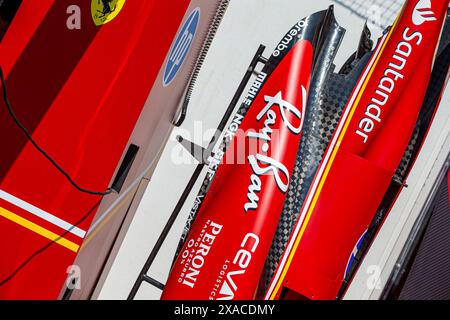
{"x":104,"y":11}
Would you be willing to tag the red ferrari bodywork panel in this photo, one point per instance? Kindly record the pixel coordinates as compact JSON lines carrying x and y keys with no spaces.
{"x":361,"y":160}
{"x":224,"y":254}
{"x":80,"y":93}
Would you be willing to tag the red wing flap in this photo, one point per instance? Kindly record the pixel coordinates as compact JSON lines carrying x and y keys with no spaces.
{"x":393,"y":137}
{"x":319,"y":262}
{"x":367,"y":147}
{"x":224,"y":254}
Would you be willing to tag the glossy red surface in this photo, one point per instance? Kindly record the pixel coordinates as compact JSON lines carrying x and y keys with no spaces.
{"x":361,"y":166}
{"x":80,"y":93}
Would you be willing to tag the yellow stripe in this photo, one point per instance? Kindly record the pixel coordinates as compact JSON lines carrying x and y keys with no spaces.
{"x":324,"y":177}
{"x":39,"y":230}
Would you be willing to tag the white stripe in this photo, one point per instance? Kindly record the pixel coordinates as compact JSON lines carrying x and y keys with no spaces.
{"x":321,"y":170}
{"x":42,"y":214}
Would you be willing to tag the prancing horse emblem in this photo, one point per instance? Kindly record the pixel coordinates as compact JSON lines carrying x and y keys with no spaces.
{"x":104,"y":11}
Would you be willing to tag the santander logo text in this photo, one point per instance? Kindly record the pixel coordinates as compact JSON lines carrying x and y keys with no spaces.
{"x":423,"y":13}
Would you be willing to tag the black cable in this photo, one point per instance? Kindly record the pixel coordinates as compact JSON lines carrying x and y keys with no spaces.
{"x":38,"y":148}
